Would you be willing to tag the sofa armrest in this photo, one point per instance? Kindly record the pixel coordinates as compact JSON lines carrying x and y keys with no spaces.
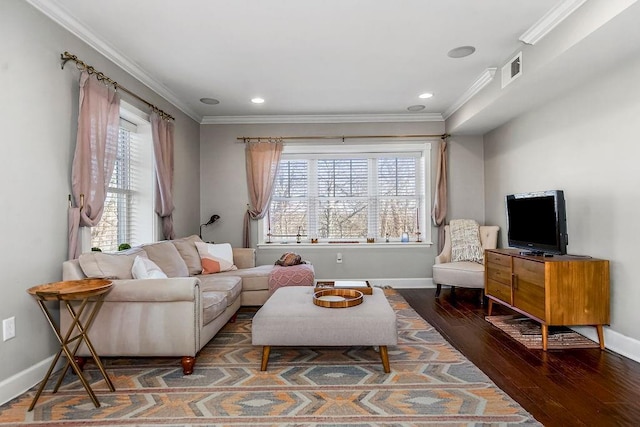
{"x":71,"y":270}
{"x":244,"y":257}
{"x":154,"y":290}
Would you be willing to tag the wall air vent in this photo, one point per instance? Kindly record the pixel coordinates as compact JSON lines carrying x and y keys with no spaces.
{"x":512,"y":70}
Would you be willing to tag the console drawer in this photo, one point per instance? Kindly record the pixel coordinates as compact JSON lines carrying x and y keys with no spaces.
{"x":498,"y":290}
{"x":495,"y":258}
{"x":499,"y":273}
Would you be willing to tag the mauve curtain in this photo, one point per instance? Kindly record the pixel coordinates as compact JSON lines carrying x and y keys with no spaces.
{"x":439,"y":212}
{"x":162,"y":132}
{"x":262,"y":159}
{"x":95,"y":154}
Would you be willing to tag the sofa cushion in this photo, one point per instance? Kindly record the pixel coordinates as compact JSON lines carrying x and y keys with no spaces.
{"x":215,"y":257}
{"x":230,"y":285}
{"x":253,"y":279}
{"x":213,"y":305}
{"x":144,"y":268}
{"x":167,"y":257}
{"x":186,"y":246}
{"x":116,"y":265}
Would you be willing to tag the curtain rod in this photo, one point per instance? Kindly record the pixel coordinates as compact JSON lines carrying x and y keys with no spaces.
{"x":81,"y":65}
{"x":342,"y":137}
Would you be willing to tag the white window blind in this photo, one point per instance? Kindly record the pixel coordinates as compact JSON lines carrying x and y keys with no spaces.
{"x":347,"y":196}
{"x":128,"y":208}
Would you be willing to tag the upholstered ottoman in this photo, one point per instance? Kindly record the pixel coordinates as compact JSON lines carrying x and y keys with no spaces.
{"x":294,"y":275}
{"x":290,"y":318}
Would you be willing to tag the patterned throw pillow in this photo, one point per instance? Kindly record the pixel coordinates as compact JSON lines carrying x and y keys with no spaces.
{"x":465,"y":241}
{"x":289,"y":259}
{"x":215,"y":257}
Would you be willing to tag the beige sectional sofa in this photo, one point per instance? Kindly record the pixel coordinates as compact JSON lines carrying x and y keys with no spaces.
{"x":176,"y":316}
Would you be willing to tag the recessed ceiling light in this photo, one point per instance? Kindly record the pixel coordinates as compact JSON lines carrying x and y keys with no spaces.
{"x":257,"y":100}
{"x":415,"y":107}
{"x":425,"y":95}
{"x":461,"y":52}
{"x":209,"y":101}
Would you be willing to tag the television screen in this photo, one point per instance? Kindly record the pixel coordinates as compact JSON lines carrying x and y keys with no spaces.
{"x":537,"y":221}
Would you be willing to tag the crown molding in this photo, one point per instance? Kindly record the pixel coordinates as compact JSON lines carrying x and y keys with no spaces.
{"x":482,"y":81}
{"x":550,"y":20}
{"x":327,"y":118}
{"x":62,"y":17}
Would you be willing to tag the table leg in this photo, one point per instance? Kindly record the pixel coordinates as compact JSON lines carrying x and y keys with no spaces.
{"x":600,"y":330}
{"x":63,"y":348}
{"x":384,"y":355}
{"x":84,"y":336}
{"x":545,"y":337}
{"x":69,"y":338}
{"x":265,"y":357}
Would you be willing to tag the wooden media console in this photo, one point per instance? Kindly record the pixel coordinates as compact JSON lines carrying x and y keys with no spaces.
{"x":561,"y":290}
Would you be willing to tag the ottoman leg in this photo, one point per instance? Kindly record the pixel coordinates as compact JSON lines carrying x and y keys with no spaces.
{"x":384,"y":355}
{"x":265,"y":357}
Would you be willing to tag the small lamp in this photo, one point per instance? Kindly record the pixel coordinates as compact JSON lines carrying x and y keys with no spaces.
{"x":213,"y":219}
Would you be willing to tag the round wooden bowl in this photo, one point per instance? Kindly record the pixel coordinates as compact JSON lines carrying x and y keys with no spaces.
{"x":337,"y":298}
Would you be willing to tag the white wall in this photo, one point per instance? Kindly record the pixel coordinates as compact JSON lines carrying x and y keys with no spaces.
{"x":585,"y":143}
{"x":224,"y":191}
{"x":38,"y":119}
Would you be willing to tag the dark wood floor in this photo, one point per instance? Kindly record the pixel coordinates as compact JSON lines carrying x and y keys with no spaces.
{"x":578,"y":387}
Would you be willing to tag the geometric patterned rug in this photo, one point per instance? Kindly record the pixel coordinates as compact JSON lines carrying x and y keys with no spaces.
{"x":529,"y":333}
{"x":430,"y":383}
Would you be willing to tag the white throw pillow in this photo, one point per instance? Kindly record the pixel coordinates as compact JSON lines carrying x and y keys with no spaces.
{"x":215,"y":257}
{"x":144,"y":268}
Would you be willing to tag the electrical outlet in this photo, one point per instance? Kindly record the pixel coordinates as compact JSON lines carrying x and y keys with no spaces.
{"x":339,"y":258}
{"x":8,"y":328}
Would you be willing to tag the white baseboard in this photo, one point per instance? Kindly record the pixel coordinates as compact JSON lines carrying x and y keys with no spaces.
{"x":17,"y":384}
{"x":613,"y":341}
{"x":417,"y":283}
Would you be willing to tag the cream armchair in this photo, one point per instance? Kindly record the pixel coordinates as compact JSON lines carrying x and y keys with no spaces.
{"x":464,"y":274}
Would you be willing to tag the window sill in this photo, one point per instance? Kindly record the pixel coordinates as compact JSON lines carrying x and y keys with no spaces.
{"x":363,"y":245}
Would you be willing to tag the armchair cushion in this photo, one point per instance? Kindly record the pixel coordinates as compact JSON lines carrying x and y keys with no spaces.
{"x":466,"y":274}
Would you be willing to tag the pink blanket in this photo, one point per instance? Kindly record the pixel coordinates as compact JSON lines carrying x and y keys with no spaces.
{"x":295,"y":275}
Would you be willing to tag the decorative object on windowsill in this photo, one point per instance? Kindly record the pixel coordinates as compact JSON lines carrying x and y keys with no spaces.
{"x":268,"y":226}
{"x":213,"y":219}
{"x":299,"y":235}
{"x":405,"y":237}
{"x":418,"y":234}
{"x":96,"y":249}
{"x":387,"y":238}
{"x":371,"y":239}
{"x":124,"y":246}
{"x":314,"y":240}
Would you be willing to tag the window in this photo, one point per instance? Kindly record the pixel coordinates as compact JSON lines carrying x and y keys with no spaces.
{"x":350,"y":194}
{"x":128,"y":209}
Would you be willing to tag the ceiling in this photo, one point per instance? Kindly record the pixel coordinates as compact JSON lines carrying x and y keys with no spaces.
{"x":317,"y":58}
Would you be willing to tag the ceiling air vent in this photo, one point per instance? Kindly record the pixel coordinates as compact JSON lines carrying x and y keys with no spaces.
{"x":512,"y":70}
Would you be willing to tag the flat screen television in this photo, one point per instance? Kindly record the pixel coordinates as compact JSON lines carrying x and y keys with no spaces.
{"x":537,"y":222}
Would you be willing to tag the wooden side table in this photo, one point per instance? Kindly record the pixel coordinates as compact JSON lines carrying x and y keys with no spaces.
{"x":84,"y":291}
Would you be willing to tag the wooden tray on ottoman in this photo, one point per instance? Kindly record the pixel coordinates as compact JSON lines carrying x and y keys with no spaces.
{"x":337,"y":298}
{"x":358,"y":285}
